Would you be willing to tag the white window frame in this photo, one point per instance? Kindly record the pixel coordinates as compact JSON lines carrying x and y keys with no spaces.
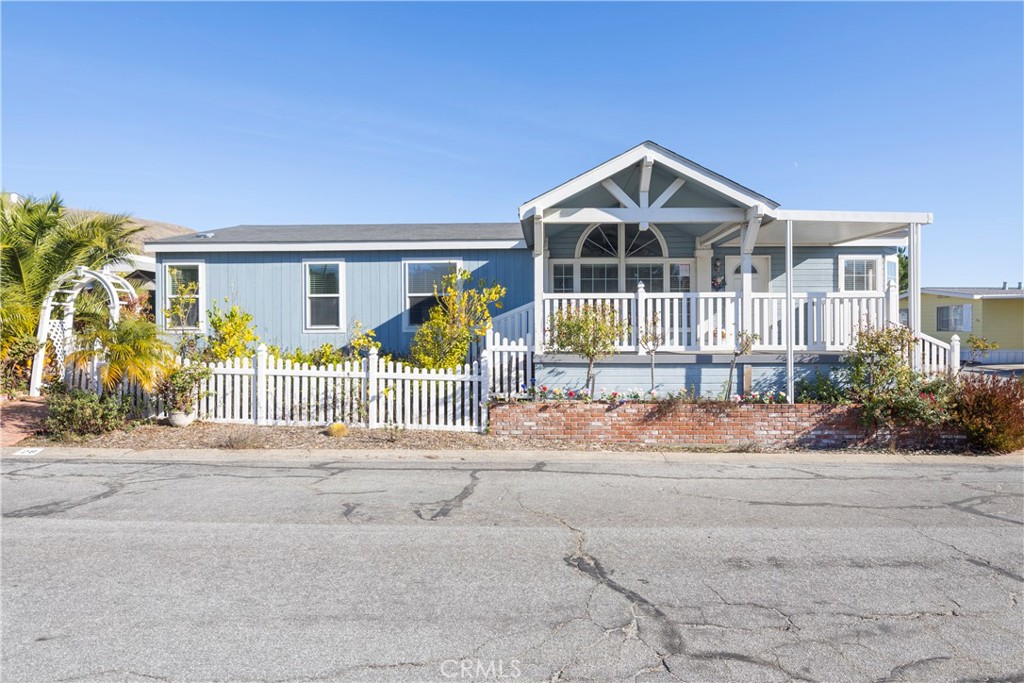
{"x":966,"y":318}
{"x":879,"y":272}
{"x":307,"y":325}
{"x":407,"y":326}
{"x":200,"y":295}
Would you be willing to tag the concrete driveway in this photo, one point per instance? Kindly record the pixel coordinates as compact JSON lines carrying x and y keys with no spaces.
{"x":753,"y":570}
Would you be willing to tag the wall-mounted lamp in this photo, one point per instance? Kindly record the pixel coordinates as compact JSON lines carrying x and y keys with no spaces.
{"x":717,"y":263}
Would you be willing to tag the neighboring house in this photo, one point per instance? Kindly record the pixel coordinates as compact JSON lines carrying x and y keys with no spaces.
{"x":715,"y":258}
{"x":995,"y":313}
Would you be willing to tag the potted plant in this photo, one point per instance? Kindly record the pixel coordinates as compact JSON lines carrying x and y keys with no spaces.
{"x":179,"y":389}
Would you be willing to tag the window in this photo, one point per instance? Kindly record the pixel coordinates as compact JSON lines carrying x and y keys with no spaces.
{"x":954,"y":318}
{"x":679,"y":277}
{"x":599,"y":277}
{"x":617,"y":258}
{"x":420,"y":278}
{"x":561,"y":278}
{"x":859,"y":274}
{"x":652,"y":275}
{"x":183,"y":285}
{"x":323,"y":295}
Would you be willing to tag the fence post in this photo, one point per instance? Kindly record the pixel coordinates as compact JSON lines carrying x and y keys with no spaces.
{"x":954,"y":354}
{"x":371,"y":388}
{"x":259,"y":386}
{"x":640,"y":319}
{"x":484,"y":379}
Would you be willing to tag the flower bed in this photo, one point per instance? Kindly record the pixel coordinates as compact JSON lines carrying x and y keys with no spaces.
{"x":762,"y":425}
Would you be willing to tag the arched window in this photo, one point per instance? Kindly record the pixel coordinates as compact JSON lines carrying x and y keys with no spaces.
{"x":616,"y":258}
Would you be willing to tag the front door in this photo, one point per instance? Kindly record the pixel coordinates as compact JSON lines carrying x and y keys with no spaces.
{"x":760,"y":273}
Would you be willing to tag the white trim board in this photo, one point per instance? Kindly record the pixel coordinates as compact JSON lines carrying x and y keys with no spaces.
{"x":241,"y":247}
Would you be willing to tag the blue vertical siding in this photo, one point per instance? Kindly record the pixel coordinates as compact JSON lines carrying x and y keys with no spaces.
{"x":270,"y":286}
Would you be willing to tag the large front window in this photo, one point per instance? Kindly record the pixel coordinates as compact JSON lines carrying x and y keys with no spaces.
{"x":420,"y":279}
{"x":617,"y":258}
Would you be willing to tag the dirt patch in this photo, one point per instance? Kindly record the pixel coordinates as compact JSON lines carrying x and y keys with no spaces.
{"x":230,"y":436}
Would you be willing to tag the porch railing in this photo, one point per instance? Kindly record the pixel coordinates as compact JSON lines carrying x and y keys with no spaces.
{"x":710,"y":321}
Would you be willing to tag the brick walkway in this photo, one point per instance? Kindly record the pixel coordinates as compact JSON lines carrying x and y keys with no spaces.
{"x":20,"y":419}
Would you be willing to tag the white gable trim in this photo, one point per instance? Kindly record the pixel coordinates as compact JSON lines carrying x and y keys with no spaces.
{"x":680,"y":165}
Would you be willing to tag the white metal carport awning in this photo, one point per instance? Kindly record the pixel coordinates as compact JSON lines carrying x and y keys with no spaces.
{"x":834,"y":228}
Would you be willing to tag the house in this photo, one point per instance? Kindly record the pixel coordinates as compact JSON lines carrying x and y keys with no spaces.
{"x":994,"y":313}
{"x":647,"y":232}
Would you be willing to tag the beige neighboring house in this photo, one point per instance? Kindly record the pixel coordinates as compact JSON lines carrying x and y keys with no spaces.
{"x":995,"y":313}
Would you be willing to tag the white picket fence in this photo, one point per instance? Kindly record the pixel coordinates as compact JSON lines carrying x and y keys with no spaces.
{"x":511,"y":363}
{"x":265,"y":390}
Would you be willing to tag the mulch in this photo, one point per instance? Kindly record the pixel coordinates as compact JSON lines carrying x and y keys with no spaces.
{"x":234,"y":436}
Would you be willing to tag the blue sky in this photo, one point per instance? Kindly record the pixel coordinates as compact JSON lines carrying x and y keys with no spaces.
{"x":211,"y":115}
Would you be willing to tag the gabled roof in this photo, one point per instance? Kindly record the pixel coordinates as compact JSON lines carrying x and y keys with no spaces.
{"x":363,"y":237}
{"x":675,"y":162}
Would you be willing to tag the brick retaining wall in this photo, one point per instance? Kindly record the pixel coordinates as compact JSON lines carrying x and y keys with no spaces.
{"x":711,"y":424}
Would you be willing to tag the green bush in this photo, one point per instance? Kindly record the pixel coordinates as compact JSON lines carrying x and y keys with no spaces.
{"x":990,"y":411}
{"x":76,"y":413}
{"x":822,"y":389}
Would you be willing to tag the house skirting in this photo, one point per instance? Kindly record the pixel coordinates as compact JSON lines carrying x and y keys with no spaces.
{"x":712,"y":424}
{"x":704,"y":374}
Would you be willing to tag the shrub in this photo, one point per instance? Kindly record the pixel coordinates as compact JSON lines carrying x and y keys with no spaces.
{"x":337,"y":430}
{"x":461,"y":316}
{"x":232,"y":334}
{"x":78,"y":412}
{"x":179,"y":386}
{"x":990,"y":411}
{"x":878,"y":375}
{"x":822,"y":389}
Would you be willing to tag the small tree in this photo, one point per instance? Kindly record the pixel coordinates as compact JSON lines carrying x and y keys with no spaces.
{"x":590,"y":331}
{"x":461,"y":316}
{"x":744,"y":345}
{"x":980,"y":346}
{"x":651,"y":339}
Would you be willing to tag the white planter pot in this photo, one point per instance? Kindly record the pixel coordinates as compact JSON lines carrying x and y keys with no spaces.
{"x":178,"y":418}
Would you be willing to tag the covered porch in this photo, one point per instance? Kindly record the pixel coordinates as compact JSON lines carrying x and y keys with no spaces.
{"x":705,"y":264}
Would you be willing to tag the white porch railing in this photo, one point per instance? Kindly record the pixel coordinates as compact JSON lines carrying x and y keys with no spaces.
{"x":515,"y":323}
{"x":821,"y":321}
{"x":933,"y":356}
{"x":710,"y":321}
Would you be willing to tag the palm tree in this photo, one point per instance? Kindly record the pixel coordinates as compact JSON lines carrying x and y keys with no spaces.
{"x":129,"y":349}
{"x":40,"y":240}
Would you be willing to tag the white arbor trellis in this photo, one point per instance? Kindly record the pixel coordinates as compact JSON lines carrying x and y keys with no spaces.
{"x":57,"y":316}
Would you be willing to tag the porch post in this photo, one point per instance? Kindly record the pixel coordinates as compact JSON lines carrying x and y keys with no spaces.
{"x":702,"y":266}
{"x":748,"y":238}
{"x":538,"y":285}
{"x":790,"y":318}
{"x":914,"y":295}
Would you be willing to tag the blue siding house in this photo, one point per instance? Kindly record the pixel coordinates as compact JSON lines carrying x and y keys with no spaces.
{"x":674,"y":247}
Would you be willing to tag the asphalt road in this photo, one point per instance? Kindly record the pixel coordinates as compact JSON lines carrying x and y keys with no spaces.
{"x":428,"y":571}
